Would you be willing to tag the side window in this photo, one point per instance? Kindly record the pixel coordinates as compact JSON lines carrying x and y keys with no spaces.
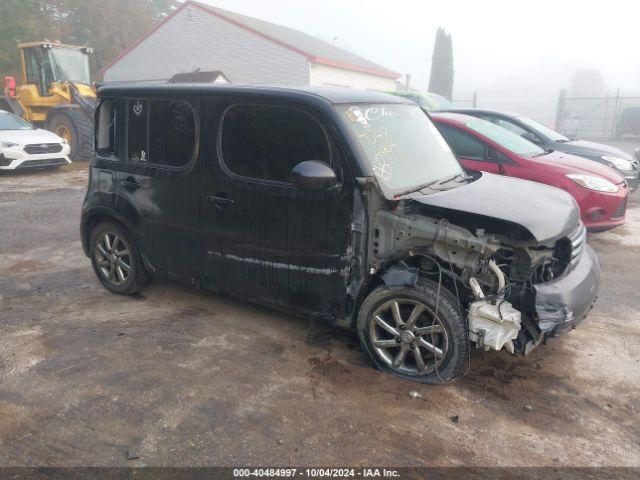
{"x":512,"y":127}
{"x":31,"y":65}
{"x":36,"y":70}
{"x":106,"y":128}
{"x":138,"y":134}
{"x":463,"y":144}
{"x":161,"y":132}
{"x":171,"y":133}
{"x":265,"y":142}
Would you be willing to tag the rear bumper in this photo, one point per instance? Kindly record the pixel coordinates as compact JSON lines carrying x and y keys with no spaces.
{"x":562,"y":304}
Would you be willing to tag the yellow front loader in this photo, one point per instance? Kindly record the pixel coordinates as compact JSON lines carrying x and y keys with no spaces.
{"x":55,"y":92}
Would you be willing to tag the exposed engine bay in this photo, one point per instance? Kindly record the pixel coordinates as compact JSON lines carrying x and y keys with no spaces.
{"x":493,"y":271}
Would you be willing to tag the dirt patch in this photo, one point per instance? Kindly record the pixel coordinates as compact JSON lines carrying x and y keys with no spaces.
{"x":21,"y":349}
{"x":74,"y":176}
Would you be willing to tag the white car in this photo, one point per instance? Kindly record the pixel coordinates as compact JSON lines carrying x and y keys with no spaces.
{"x":24,"y":146}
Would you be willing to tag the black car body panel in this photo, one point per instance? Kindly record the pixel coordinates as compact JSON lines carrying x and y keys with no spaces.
{"x":196,"y":218}
{"x":582,"y":148}
{"x":593,"y":149}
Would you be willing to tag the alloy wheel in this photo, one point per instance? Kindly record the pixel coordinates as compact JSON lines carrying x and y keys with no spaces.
{"x":113,"y":257}
{"x":408,"y":337}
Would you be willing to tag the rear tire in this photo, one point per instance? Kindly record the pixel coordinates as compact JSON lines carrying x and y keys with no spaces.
{"x":116,"y":259}
{"x":73,"y":125}
{"x":436,"y":348}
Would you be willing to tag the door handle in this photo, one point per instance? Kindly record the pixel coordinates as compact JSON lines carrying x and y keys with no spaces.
{"x":130,"y":184}
{"x":220,"y":200}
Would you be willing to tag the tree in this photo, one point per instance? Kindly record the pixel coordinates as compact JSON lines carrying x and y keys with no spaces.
{"x":441,"y":79}
{"x":22,"y":21}
{"x":587,"y":83}
{"x":108,"y":27}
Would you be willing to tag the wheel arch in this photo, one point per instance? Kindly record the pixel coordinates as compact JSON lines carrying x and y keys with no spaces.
{"x":403,"y":272}
{"x":93,"y":217}
{"x":395,"y":274}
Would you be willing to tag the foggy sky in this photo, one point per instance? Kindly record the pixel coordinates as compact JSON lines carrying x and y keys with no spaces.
{"x":515,"y":54}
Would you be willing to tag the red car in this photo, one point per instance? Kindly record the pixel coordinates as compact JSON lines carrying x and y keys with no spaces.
{"x":600,"y":191}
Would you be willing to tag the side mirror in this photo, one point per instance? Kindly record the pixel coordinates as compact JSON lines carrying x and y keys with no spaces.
{"x":636,"y":153}
{"x":313,"y":176}
{"x":531,"y":137}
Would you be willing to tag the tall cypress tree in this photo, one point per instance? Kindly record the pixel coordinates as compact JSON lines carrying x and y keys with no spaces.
{"x":441,"y":79}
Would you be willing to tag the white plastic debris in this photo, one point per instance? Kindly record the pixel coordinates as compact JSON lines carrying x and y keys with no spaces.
{"x":494,"y":326}
{"x":414,"y":394}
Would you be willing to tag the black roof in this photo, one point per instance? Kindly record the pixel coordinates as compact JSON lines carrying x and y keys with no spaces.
{"x":332,"y":95}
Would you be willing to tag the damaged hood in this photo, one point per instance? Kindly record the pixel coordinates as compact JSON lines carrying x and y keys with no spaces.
{"x":546,"y":213}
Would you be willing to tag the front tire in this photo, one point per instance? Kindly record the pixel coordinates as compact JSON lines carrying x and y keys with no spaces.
{"x":77,"y":129}
{"x":402,"y":335}
{"x":116,"y":259}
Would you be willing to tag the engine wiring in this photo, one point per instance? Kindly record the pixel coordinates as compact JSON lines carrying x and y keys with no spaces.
{"x":455,"y":285}
{"x":499,"y":297}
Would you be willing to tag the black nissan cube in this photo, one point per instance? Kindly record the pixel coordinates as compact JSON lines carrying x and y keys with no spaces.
{"x":342,"y":205}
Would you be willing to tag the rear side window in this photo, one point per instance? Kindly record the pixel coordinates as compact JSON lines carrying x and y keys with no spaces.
{"x":105,"y":133}
{"x":161,"y":132}
{"x":509,"y":126}
{"x":265,"y":142}
{"x":463,"y":144}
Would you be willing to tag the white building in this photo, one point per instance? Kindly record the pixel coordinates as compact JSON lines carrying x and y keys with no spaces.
{"x":246,"y":50}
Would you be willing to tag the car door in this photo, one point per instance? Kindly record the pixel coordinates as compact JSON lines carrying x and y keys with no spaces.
{"x":272,"y":243}
{"x":159,"y":152}
{"x":470,"y":150}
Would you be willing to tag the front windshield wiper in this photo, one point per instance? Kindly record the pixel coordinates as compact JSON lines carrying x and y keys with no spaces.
{"x":434,"y":183}
{"x":546,"y":152}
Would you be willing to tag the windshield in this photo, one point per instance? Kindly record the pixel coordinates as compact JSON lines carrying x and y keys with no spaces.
{"x":403,"y":147}
{"x":70,"y":65}
{"x":503,"y":137}
{"x":546,"y":131}
{"x":9,"y":121}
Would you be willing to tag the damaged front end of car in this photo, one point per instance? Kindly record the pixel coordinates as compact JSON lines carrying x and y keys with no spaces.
{"x":518,"y":277}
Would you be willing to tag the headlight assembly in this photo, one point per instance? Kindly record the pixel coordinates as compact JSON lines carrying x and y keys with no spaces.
{"x":619,"y":163}
{"x":597,"y":184}
{"x":8,"y":144}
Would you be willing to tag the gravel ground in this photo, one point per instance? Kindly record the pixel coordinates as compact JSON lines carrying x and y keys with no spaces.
{"x":182,"y":377}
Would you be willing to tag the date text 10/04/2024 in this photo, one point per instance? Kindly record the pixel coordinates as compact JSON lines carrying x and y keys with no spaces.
{"x":316,"y":472}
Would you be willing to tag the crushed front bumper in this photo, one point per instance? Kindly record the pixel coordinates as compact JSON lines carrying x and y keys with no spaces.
{"x":562,"y":304}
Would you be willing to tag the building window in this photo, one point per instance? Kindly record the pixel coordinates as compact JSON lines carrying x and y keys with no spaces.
{"x":265,"y":142}
{"x":161,"y":132}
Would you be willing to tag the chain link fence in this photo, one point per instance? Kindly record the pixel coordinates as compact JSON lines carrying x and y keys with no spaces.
{"x":607,"y":117}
